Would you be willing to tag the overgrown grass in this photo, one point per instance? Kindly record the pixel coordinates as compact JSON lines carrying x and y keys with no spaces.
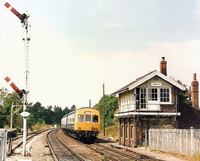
{"x":40,"y":127}
{"x":112,"y":131}
{"x":196,"y":157}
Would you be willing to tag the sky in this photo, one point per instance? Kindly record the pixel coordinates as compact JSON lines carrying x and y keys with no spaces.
{"x":77,"y":46}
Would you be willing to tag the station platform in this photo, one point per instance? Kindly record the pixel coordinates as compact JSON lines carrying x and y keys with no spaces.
{"x":154,"y":154}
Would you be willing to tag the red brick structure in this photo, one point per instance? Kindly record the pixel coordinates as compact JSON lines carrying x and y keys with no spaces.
{"x":190,"y":115}
{"x":195,"y":92}
{"x":148,"y":102}
{"x":163,"y":66}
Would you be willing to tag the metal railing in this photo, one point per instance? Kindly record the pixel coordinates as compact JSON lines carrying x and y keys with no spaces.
{"x":180,"y":141}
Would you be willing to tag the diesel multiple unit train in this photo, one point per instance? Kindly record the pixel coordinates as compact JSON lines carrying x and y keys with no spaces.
{"x":83,"y":123}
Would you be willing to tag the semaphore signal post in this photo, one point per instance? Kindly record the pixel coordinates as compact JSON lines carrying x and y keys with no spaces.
{"x":23,"y":94}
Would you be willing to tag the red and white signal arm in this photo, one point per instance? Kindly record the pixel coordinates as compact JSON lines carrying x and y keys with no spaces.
{"x":14,"y":87}
{"x":14,"y":11}
{"x":22,"y":17}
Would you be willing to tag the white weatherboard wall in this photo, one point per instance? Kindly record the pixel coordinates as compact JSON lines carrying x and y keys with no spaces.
{"x":3,"y":141}
{"x":181,"y":141}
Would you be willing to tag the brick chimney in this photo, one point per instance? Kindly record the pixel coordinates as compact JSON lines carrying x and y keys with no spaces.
{"x":163,"y":66}
{"x":195,"y":92}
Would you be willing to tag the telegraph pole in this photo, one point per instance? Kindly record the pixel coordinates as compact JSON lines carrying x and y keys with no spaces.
{"x":89,"y":103}
{"x":103,"y":111}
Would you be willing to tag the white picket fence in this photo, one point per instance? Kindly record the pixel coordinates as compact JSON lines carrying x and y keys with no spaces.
{"x":181,"y":141}
{"x":3,"y":142}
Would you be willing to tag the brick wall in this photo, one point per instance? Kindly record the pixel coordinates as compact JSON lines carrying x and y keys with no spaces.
{"x":195,"y":94}
{"x":168,"y":108}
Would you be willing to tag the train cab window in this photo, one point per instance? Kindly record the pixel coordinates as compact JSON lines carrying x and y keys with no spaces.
{"x":87,"y":118}
{"x":95,"y":118}
{"x":80,"y":118}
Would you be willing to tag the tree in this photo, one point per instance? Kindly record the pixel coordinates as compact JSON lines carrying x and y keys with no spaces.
{"x":73,"y":108}
{"x":66,"y":110}
{"x":49,"y":116}
{"x":185,"y":96}
{"x":5,"y":106}
{"x":38,"y":113}
{"x":58,"y":114}
{"x":31,"y":121}
{"x":3,"y":95}
{"x":111,"y":105}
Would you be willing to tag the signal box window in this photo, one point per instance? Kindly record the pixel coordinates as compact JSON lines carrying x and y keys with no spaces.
{"x":95,"y":118}
{"x":164,"y":95}
{"x":153,"y":94}
{"x":80,"y":118}
{"x":87,"y":118}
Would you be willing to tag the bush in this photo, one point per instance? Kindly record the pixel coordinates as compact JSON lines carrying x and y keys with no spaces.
{"x":18,"y":129}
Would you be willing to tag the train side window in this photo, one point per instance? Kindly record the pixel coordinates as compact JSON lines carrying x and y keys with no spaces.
{"x":95,"y":118}
{"x":80,"y":118}
{"x":87,"y":118}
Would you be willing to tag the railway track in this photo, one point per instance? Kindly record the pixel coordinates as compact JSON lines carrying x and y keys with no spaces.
{"x":18,"y":141}
{"x":122,"y":154}
{"x":60,"y":150}
{"x":115,"y":154}
{"x":118,"y":155}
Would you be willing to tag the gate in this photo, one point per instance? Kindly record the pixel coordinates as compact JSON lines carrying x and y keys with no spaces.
{"x":3,"y":142}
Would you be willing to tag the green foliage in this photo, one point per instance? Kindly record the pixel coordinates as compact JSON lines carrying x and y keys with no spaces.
{"x":31,"y":121}
{"x":66,"y":110}
{"x":6,"y":100}
{"x":18,"y":129}
{"x":113,"y":129}
{"x":18,"y":121}
{"x":51,"y":115}
{"x":58,"y":114}
{"x":39,"y":115}
{"x":73,"y":108}
{"x":111,"y":104}
{"x":185,"y":96}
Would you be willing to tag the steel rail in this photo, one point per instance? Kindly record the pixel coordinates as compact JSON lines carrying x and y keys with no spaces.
{"x":61,"y":142}
{"x":19,"y":144}
{"x":121,"y":153}
{"x":140,"y":157}
{"x":74,"y":153}
{"x":97,"y":151}
{"x":50,"y":146}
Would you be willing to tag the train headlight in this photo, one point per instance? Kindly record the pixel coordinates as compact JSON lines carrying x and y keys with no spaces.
{"x":79,"y":128}
{"x":96,"y":128}
{"x":92,"y":128}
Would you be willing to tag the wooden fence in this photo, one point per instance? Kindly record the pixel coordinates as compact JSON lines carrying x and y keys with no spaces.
{"x":180,"y":141}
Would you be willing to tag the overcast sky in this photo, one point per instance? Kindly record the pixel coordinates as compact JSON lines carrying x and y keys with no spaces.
{"x":77,"y":45}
